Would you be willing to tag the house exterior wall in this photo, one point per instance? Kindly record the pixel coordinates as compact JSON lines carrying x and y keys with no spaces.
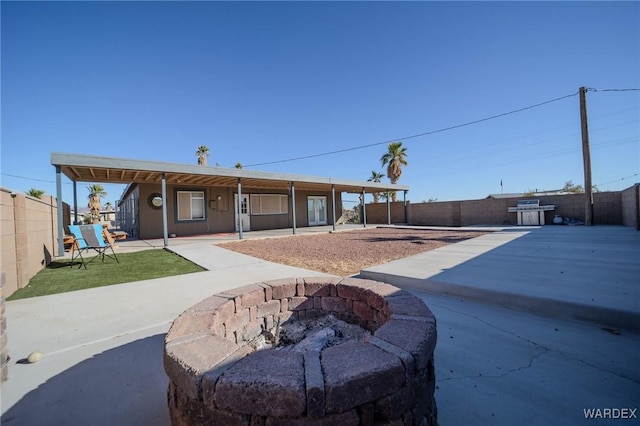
{"x":219,"y":211}
{"x":302,"y":214}
{"x":630,"y":200}
{"x":28,"y":236}
{"x":127,"y":213}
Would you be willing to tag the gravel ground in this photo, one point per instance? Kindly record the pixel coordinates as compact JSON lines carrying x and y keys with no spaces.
{"x":346,"y":253}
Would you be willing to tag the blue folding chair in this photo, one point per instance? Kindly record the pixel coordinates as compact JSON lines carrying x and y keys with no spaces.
{"x":90,"y":237}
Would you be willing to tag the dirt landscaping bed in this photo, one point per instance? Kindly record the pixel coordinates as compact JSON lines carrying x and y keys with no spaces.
{"x":346,"y":253}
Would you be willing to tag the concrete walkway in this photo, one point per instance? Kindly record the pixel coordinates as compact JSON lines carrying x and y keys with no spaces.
{"x":102,"y":347}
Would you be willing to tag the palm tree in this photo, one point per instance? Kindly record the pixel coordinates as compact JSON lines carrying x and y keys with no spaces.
{"x":238,"y":165}
{"x":96,"y":192}
{"x":202,"y":153}
{"x":35,"y":193}
{"x":394,"y":159}
{"x":375,"y":177}
{"x":386,"y":194}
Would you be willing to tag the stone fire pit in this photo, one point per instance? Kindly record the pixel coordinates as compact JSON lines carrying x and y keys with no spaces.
{"x":231,"y":359}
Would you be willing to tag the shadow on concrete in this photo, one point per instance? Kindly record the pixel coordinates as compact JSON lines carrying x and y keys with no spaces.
{"x":125,"y":385}
{"x":415,"y":239}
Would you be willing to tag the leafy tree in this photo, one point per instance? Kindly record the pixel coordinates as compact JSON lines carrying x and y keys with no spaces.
{"x":570,"y":187}
{"x":375,"y":177}
{"x":96,"y":193}
{"x":202,"y":153}
{"x":394,"y":159}
{"x":35,"y":193}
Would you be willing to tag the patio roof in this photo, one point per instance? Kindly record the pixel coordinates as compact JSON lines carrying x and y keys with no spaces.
{"x":88,"y":168}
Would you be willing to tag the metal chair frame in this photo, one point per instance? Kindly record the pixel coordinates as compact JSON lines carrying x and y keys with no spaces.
{"x":90,"y":237}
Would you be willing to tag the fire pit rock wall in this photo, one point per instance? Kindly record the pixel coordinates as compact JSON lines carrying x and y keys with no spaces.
{"x":218,"y":376}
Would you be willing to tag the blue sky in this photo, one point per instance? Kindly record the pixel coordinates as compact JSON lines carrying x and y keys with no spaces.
{"x":269,"y":81}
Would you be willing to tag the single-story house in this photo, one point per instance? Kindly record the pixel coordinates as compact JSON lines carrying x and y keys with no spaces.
{"x":183,"y":199}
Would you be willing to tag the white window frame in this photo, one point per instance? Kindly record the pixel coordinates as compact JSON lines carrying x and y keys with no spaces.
{"x":193,"y":196}
{"x":257,"y":204}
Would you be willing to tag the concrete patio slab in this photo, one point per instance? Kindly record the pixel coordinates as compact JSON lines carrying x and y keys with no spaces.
{"x":573,"y":272}
{"x":102,"y":347}
{"x":497,"y":366}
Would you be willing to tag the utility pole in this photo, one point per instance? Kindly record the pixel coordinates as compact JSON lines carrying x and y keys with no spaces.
{"x":586,"y":159}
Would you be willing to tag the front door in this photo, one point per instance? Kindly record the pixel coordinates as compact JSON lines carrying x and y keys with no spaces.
{"x":317,"y":210}
{"x":244,"y":216}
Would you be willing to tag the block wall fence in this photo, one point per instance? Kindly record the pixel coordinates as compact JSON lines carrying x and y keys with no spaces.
{"x":609,"y":208}
{"x":28,"y":236}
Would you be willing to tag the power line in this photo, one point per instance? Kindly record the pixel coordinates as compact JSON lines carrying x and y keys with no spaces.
{"x":457,"y":126}
{"x":617,"y":180}
{"x":30,"y":178}
{"x":448,"y":170}
{"x":590,"y":89}
{"x":469,"y":152}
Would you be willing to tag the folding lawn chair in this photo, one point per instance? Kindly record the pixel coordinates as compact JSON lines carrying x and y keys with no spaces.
{"x":90,"y":237}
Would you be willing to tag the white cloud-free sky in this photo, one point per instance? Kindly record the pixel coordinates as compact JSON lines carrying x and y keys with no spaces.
{"x":263,"y":82}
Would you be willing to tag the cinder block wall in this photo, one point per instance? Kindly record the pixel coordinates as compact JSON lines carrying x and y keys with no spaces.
{"x":4,"y":355}
{"x":607,"y":210}
{"x":630,"y":200}
{"x":29,"y":236}
{"x":377,"y":213}
{"x":489,"y":211}
{"x":434,"y":213}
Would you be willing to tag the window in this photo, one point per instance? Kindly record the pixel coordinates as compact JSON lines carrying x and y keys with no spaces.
{"x":269,"y":204}
{"x":190,"y":205}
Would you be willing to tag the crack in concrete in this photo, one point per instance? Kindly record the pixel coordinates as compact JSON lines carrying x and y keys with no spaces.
{"x":498,"y":376}
{"x":597,"y":367}
{"x":546,"y":350}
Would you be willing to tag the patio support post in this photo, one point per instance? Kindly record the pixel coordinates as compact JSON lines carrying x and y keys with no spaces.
{"x":239,"y":208}
{"x":333,"y":203}
{"x":389,"y":210}
{"x":59,"y":211}
{"x":406,"y":220}
{"x":75,"y":203}
{"x":293,"y":206}
{"x":165,"y":230}
{"x":364,"y":210}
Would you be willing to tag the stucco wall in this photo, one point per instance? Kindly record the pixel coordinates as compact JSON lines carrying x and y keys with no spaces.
{"x":29,"y":236}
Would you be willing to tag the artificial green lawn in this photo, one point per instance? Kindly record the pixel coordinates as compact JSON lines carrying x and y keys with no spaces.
{"x":59,"y":277}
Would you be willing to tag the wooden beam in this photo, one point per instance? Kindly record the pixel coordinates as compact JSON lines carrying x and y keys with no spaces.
{"x":75,"y":172}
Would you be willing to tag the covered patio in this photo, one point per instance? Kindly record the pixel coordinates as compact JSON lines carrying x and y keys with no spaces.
{"x":97,"y":169}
